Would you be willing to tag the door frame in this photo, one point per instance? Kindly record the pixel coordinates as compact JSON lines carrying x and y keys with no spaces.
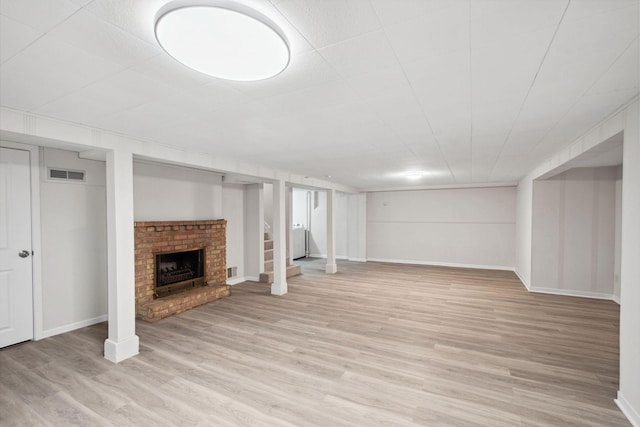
{"x":36,"y":247}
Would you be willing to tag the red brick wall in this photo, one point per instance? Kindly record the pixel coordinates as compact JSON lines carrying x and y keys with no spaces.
{"x":152,"y":237}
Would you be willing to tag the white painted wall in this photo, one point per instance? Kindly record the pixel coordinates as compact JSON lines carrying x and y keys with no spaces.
{"x":629,"y":391}
{"x":318,"y":226}
{"x":357,"y":227}
{"x":299,"y":206}
{"x":74,"y":244}
{"x":628,"y":121}
{"x":524,"y":227}
{"x":172,"y":193}
{"x":573,"y":241}
{"x":617,"y":255}
{"x":466,"y":227}
{"x":233,"y":212}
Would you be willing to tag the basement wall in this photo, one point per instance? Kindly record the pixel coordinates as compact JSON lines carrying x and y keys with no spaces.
{"x":468,"y":227}
{"x":74,"y":244}
{"x":574,"y":223}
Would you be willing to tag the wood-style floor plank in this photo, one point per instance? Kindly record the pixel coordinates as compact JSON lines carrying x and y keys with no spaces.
{"x":374,"y":344}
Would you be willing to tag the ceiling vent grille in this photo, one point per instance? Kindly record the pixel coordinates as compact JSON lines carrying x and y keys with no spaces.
{"x":56,"y":174}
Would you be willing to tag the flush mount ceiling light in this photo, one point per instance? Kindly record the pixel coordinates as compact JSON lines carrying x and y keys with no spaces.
{"x":414,"y":174}
{"x":222,"y":39}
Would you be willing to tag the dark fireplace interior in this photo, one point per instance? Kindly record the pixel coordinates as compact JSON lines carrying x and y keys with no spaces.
{"x":178,"y":271}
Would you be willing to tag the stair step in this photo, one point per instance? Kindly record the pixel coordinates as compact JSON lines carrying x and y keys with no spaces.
{"x":292,"y":270}
{"x":268,"y":244}
{"x":268,"y":265}
{"x":268,"y":254}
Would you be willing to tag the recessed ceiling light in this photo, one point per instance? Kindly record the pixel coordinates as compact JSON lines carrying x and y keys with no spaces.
{"x":414,"y":174}
{"x":222,"y":39}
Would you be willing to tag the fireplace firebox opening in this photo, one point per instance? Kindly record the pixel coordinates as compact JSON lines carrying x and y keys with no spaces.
{"x":178,"y":271}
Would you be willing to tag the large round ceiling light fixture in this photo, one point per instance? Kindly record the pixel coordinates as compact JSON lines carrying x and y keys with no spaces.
{"x":222,"y":39}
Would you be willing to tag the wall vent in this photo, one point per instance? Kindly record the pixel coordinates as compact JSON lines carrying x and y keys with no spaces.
{"x":232,"y":272}
{"x":57,"y":174}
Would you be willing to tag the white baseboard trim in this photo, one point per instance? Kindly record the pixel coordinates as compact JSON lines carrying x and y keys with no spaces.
{"x":73,"y":326}
{"x":251,"y":278}
{"x":628,"y":410}
{"x":441,"y":264}
{"x":571,"y":293}
{"x":524,"y":282}
{"x":358,"y":259}
{"x":344,"y":257}
{"x":236,"y":280}
{"x":616,"y":298}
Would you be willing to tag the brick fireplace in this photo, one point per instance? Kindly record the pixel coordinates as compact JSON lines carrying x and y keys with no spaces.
{"x":153,"y":238}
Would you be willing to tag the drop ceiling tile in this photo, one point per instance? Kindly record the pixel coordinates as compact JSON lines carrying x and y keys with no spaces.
{"x":304,"y":71}
{"x":90,"y":34}
{"x":442,"y":81}
{"x":623,"y":75}
{"x":136,"y":17}
{"x":215,"y":97}
{"x":506,"y":69}
{"x":127,"y":89}
{"x":48,"y":70}
{"x":361,"y":54}
{"x":42,"y":15}
{"x":379,"y":83}
{"x":170,"y":72}
{"x":390,"y":12}
{"x":78,"y":109}
{"x":499,"y":20}
{"x":426,"y":36}
{"x":325,"y":23}
{"x":14,"y":36}
{"x":329,"y":95}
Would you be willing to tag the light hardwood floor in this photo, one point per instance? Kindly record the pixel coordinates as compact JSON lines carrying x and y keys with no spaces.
{"x":375,"y":344}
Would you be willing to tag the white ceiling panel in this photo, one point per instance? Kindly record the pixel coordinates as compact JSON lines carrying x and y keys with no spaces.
{"x":14,"y":36}
{"x":389,"y":13}
{"x":430,"y":35}
{"x":360,"y":54}
{"x":41,"y":15}
{"x":96,"y":37}
{"x":501,"y":20}
{"x":305,"y":70}
{"x":49,"y":70}
{"x":324,"y":23}
{"x":481,"y":89}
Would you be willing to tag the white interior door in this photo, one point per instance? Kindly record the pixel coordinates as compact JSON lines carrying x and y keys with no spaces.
{"x":16,"y":286}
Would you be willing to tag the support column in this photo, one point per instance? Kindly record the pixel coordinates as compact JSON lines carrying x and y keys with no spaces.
{"x":331,"y":232}
{"x":253,"y":232}
{"x":289,"y":225}
{"x":123,"y":341}
{"x":279,"y":228}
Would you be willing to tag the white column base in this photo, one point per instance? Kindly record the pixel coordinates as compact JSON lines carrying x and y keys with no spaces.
{"x":278,"y":289}
{"x":331,"y":268}
{"x":118,"y":351}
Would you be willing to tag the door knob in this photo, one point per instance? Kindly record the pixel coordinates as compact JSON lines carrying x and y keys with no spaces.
{"x":23,"y":254}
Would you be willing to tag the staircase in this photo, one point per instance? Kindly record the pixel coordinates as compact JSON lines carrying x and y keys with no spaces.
{"x":267,"y":276}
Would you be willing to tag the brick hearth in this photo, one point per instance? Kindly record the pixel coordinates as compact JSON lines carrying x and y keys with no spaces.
{"x":152,"y":237}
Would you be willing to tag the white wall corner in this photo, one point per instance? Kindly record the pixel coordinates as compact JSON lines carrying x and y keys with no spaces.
{"x":522,"y":279}
{"x":632,"y":415}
